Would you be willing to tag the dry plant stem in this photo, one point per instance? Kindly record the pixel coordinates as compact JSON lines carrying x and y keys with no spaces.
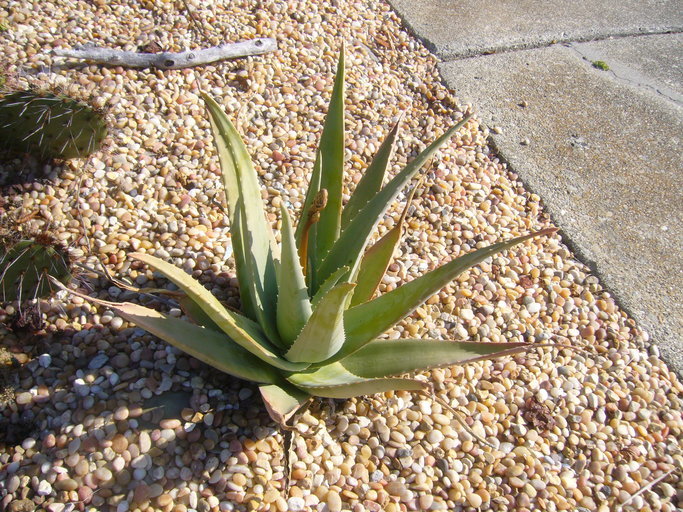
{"x":198,"y":28}
{"x":458,"y":418}
{"x":646,"y":487}
{"x":167,"y":60}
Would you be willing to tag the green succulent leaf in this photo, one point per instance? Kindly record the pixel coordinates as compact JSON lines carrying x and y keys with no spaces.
{"x":209,"y":346}
{"x":335,"y":381}
{"x":377,"y":259}
{"x":329,"y":283}
{"x":242,"y":188}
{"x":348,"y":249}
{"x":283,"y":400}
{"x":372,"y":179}
{"x":253,"y":285}
{"x":331,"y":154}
{"x":241,"y":329}
{"x":293,"y":305}
{"x":195,"y":313}
{"x":384,"y":358}
{"x":323,"y":335}
{"x":368,"y":320}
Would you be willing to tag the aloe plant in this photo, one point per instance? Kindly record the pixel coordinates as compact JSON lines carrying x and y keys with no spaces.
{"x":309,"y":321}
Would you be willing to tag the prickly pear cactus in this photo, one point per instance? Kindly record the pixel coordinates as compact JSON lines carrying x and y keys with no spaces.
{"x":25,"y":266}
{"x":49,"y":125}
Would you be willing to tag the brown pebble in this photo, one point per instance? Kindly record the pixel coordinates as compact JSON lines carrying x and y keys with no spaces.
{"x":67,"y":484}
{"x":119,"y":443}
{"x":141,"y":493}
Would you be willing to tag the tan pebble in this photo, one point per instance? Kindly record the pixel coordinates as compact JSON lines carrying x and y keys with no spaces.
{"x":484,"y":494}
{"x":172,"y":423}
{"x":426,"y":501}
{"x":103,"y":474}
{"x":164,"y":500}
{"x":121,"y":413}
{"x":299,"y":474}
{"x":119,"y":443}
{"x":24,"y":398}
{"x":474,"y":500}
{"x":395,"y":488}
{"x":239,"y":479}
{"x":66,"y":485}
{"x":441,"y":419}
{"x":516,"y":482}
{"x":334,"y":501}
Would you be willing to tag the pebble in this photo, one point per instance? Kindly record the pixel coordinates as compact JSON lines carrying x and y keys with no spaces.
{"x":98,"y":361}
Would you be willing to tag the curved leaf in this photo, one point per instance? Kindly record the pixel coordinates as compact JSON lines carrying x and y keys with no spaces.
{"x":209,"y":346}
{"x":329,"y":283}
{"x":384,"y":358}
{"x":366,"y":321}
{"x":242,"y":330}
{"x":377,"y":259}
{"x":282,"y":400}
{"x":195,"y":313}
{"x":326,"y":230}
{"x":242,"y":187}
{"x":323,"y":335}
{"x":335,"y":381}
{"x":348,"y":249}
{"x":372,"y":179}
{"x":293,"y":305}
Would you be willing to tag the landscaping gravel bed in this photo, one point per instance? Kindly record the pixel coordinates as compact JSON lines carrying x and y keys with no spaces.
{"x":99,"y":415}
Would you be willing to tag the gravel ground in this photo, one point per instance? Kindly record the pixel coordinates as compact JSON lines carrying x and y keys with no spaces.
{"x":81,"y":426}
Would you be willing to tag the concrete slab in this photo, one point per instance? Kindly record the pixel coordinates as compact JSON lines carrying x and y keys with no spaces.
{"x":605,"y":156}
{"x":462,"y":28}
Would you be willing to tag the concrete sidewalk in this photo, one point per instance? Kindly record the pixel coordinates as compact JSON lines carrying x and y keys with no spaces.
{"x":600,"y":143}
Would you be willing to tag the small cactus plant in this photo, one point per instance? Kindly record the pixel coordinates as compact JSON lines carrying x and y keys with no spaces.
{"x":26,"y":264}
{"x":50,"y":125}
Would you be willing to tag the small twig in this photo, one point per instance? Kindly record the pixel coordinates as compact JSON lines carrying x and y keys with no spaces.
{"x":459,"y":419}
{"x":168,"y":60}
{"x":646,"y":487}
{"x":200,"y":29}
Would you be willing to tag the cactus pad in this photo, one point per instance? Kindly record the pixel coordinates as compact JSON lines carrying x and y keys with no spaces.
{"x":50,"y":125}
{"x":26,"y":265}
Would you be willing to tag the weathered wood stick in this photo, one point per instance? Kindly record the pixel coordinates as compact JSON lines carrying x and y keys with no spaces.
{"x":167,"y":60}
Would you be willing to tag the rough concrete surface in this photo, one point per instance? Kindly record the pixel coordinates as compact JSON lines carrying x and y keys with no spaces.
{"x":604,"y":153}
{"x":461,"y":28}
{"x":651,"y":62}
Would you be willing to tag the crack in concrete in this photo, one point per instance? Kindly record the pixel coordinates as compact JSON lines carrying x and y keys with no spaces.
{"x":446,"y":56}
{"x":626,"y":74}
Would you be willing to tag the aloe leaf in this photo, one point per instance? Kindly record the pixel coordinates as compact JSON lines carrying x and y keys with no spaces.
{"x":335,"y":381}
{"x":293,"y":305}
{"x":242,"y":330}
{"x":195,"y":313}
{"x":329,"y":283}
{"x":241,"y":185}
{"x":209,"y":346}
{"x":349,"y":248}
{"x":368,"y":320}
{"x":377,"y":259}
{"x":323,"y":335}
{"x":255,"y":286}
{"x":331,"y":150}
{"x":372,"y":179}
{"x":283,"y":400}
{"x":312,"y":191}
{"x":384,"y":358}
